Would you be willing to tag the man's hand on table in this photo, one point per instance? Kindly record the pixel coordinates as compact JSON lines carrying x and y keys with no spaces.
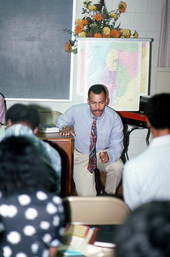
{"x":67,"y":131}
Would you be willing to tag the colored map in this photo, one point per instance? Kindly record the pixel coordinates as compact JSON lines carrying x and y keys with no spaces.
{"x":121,"y":65}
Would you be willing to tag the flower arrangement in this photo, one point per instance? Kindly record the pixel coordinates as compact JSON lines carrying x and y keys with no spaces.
{"x":98,"y":22}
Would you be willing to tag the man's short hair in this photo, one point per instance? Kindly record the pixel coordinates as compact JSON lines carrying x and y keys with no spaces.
{"x":146,"y":232}
{"x":23,"y":113}
{"x":158,"y":111}
{"x":97,"y":89}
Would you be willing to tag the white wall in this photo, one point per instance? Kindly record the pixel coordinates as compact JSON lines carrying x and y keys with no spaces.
{"x":141,"y":15}
{"x":162,"y":80}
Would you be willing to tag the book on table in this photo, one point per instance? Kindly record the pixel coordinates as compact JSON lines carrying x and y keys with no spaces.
{"x":80,"y":241}
{"x":47,"y":128}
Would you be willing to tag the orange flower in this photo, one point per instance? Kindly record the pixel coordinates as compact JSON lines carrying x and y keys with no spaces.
{"x":67,"y":47}
{"x":97,"y":35}
{"x":115,"y":33}
{"x":97,"y":17}
{"x":106,"y":36}
{"x":122,"y":7}
{"x":84,"y":22}
{"x":78,"y":29}
{"x":128,"y":36}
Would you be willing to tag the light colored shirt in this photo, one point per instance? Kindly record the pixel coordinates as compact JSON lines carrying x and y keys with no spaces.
{"x":109,"y":129}
{"x":147,"y":176}
{"x":2,"y":110}
{"x":47,"y":153}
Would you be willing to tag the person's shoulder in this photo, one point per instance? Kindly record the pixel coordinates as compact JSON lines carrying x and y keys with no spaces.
{"x":111,"y":112}
{"x":79,"y":107}
{"x":17,"y":130}
{"x":2,"y":96}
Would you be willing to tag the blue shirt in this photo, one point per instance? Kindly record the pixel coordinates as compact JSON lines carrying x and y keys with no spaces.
{"x":109,"y":129}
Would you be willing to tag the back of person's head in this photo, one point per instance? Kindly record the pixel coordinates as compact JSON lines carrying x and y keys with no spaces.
{"x":97,"y":89}
{"x":21,"y":168}
{"x":146,"y":232}
{"x":20,"y":113}
{"x":158,"y":111}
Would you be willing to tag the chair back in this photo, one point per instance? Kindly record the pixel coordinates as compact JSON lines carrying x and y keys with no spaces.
{"x":100,"y":210}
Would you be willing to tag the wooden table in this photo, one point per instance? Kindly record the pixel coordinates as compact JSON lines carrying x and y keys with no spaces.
{"x":64,"y":145}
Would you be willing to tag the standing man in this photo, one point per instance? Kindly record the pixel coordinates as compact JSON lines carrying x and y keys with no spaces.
{"x":147,"y":176}
{"x":107,"y":141}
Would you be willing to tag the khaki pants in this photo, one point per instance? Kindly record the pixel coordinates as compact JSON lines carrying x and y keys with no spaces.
{"x":85,"y":181}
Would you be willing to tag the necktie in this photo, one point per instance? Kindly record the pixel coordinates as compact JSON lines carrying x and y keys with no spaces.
{"x":92,"y":164}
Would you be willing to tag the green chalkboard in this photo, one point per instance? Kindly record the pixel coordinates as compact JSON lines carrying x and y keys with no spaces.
{"x":33,"y":63}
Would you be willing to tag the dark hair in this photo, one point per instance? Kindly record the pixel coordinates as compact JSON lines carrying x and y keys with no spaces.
{"x":158,"y":111}
{"x":146,"y":232}
{"x":21,"y":169}
{"x":23,"y":113}
{"x":97,"y":89}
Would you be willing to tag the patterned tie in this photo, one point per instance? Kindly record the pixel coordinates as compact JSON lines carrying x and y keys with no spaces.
{"x":92,"y":164}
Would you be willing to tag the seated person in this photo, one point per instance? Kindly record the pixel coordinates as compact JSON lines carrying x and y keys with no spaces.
{"x":24,"y":120}
{"x":31,"y":218}
{"x":2,"y":110}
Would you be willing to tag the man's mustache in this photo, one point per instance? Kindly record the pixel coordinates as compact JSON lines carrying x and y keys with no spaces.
{"x":97,"y":110}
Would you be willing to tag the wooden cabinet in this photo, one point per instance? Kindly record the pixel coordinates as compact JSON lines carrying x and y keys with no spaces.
{"x":64,"y":145}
